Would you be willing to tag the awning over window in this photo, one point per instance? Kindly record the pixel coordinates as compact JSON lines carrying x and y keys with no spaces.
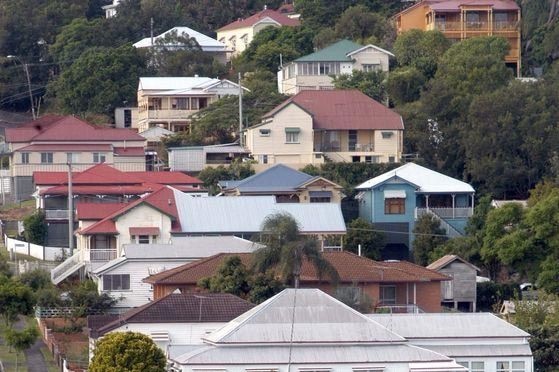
{"x":292,"y":129}
{"x":320,"y":194}
{"x":394,"y":194}
{"x":144,"y":231}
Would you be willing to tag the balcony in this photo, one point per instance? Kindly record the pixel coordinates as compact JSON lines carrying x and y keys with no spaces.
{"x":481,"y":26}
{"x":445,"y":212}
{"x":56,"y":214}
{"x":166,"y":114}
{"x":336,"y":147}
{"x":103,"y":255}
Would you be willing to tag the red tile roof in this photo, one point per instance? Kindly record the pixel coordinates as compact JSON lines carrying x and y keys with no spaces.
{"x":167,"y":178}
{"x":101,"y":190}
{"x":455,"y":5}
{"x":96,"y":211}
{"x":66,"y":147}
{"x":129,"y":151}
{"x":67,"y":129}
{"x":280,"y":18}
{"x":144,"y":230}
{"x":102,"y":227}
{"x":351,"y":268}
{"x":343,"y":110}
{"x":176,"y":308}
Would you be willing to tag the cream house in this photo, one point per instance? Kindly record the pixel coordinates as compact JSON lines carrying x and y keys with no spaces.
{"x":315,"y":71}
{"x":168,"y":102}
{"x":239,"y":34}
{"x":338,"y":125}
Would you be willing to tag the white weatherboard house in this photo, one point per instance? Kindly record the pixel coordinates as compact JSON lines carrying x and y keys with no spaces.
{"x":481,"y":342}
{"x":122,"y":277}
{"x":303,"y":330}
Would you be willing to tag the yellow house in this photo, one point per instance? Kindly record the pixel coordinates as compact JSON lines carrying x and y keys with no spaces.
{"x":238,"y":35}
{"x":335,"y":125}
{"x":462,"y":19}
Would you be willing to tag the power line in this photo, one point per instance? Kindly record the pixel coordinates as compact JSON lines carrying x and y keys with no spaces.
{"x":397,"y":232}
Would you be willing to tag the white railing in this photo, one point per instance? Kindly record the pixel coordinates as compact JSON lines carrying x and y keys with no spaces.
{"x":399,"y":309}
{"x":61,"y":271}
{"x":445,"y":212}
{"x":102,"y":254}
{"x":170,"y":114}
{"x":451,"y":231}
{"x":56,"y":214}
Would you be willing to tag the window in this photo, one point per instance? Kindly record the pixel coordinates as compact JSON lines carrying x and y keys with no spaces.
{"x":25,"y":158}
{"x":264,"y":159}
{"x":72,"y":157}
{"x":388,"y":294}
{"x":46,"y":157}
{"x":264,"y":132}
{"x":154,"y":104}
{"x":180,"y":104}
{"x":503,"y":366}
{"x":99,"y":157}
{"x":386,"y":135}
{"x":478,"y":367}
{"x":447,"y":288}
{"x":292,"y":135}
{"x":117,"y":282}
{"x":507,"y":366}
{"x":372,"y":67}
{"x":356,"y":159}
{"x":127,"y":118}
{"x":391,"y":159}
{"x":394,"y":206}
{"x":143,"y":239}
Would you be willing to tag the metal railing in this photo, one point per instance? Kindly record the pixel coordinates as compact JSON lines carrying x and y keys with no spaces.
{"x":102,"y":254}
{"x":475,"y":26}
{"x":450,"y":230}
{"x":167,"y":114}
{"x":334,"y":147}
{"x":445,"y":212}
{"x":61,"y":271}
{"x":399,"y":309}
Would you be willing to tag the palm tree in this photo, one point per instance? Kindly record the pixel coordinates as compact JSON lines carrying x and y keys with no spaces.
{"x":286,"y":249}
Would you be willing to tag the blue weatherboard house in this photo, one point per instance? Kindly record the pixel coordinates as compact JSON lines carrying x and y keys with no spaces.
{"x":394,"y":200}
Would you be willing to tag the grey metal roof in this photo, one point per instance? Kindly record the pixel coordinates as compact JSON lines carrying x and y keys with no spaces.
{"x":448,"y":325}
{"x":245,"y":214}
{"x":315,"y":316}
{"x":458,"y":351}
{"x":277,"y":178}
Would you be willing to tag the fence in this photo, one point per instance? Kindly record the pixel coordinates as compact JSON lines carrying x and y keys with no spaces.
{"x":38,"y":251}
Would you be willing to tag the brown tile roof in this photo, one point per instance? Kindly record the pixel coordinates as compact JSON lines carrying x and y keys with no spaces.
{"x":343,"y":110}
{"x":351,"y":268}
{"x":177,"y":308}
{"x":255,"y":18}
{"x":445,"y":260}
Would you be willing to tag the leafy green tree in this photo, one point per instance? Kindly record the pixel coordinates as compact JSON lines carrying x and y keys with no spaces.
{"x":236,"y":171}
{"x":21,"y":340}
{"x":35,"y":228}
{"x":325,"y":37}
{"x":84,"y":298}
{"x":231,"y":277}
{"x":428,"y":236}
{"x":127,"y":352}
{"x":15,"y":299}
{"x":286,"y":249}
{"x":372,"y":83}
{"x":359,"y":24}
{"x":263,"y":286}
{"x":99,"y":80}
{"x":404,"y":85}
{"x":360,"y":232}
{"x":36,"y":279}
{"x":421,"y":50}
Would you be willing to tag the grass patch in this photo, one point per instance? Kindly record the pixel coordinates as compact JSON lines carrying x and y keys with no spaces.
{"x":22,"y":204}
{"x":9,"y":359}
{"x":49,"y":360}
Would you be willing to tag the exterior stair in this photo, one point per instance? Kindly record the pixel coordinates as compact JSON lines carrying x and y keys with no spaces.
{"x":67,"y":268}
{"x":451,"y":231}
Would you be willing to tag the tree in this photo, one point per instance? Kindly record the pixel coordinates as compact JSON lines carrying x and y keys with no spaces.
{"x":360,"y":232}
{"x":404,"y":85}
{"x":15,"y":299}
{"x":428,"y":235}
{"x":21,"y":340}
{"x":127,"y":352}
{"x":371,"y":83}
{"x":236,"y":171}
{"x":231,"y":277}
{"x":35,"y":228}
{"x":286,"y":249}
{"x":359,"y":24}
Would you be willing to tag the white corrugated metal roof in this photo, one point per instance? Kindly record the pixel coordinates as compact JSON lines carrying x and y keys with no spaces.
{"x":317,"y":317}
{"x":175,"y":83}
{"x":463,"y":351}
{"x":207,"y":43}
{"x":155,"y":133}
{"x":448,"y":325}
{"x":245,"y":214}
{"x":425,"y":179}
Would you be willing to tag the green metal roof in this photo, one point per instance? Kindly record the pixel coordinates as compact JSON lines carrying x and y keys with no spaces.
{"x":336,"y":52}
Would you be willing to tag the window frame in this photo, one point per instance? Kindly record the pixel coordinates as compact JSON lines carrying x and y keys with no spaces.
{"x":292,"y":135}
{"x":110,"y":279}
{"x":25,"y":158}
{"x":97,"y":156}
{"x":47,"y":158}
{"x":384,"y":300}
{"x":395,"y":206}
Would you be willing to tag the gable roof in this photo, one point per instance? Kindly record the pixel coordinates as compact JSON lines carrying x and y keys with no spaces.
{"x":263,"y":15}
{"x":447,"y":259}
{"x":302,"y":316}
{"x":426,"y":180}
{"x":350,"y":267}
{"x":180,"y":308}
{"x":220,"y":215}
{"x":337,"y":52}
{"x":68,"y":129}
{"x":207,"y":44}
{"x":96,"y":211}
{"x":168,"y":86}
{"x":343,"y":110}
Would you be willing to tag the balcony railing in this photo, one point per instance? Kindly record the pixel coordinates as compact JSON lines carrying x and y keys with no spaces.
{"x":166,"y":114}
{"x":445,"y":212}
{"x":102,"y":254}
{"x":399,"y":309}
{"x":56,"y":214}
{"x":476,"y":26}
{"x":336,"y":147}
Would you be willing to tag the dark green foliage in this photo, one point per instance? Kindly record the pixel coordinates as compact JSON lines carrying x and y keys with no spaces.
{"x":15,"y":299}
{"x":236,"y":171}
{"x":404,"y":85}
{"x":491,"y":295}
{"x":359,"y":232}
{"x":127,"y":351}
{"x":359,"y":24}
{"x":36,"y":279}
{"x":85,"y":299}
{"x":421,"y":50}
{"x":263,"y":286}
{"x":371,"y":83}
{"x":428,"y":235}
{"x":544,"y":342}
{"x":21,"y":340}
{"x":35,"y":228}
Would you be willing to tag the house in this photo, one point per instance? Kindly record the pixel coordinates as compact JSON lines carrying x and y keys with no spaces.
{"x":306,"y":330}
{"x":177,"y":319}
{"x":169,"y":102}
{"x":121,"y":277}
{"x":110,"y":10}
{"x":216,"y":49}
{"x":460,"y":293}
{"x":316,"y":70}
{"x":49,"y":143}
{"x":238,"y":35}
{"x":126,"y":117}
{"x":464,"y":19}
{"x":99,"y":184}
{"x":478,"y":341}
{"x":154,"y":137}
{"x":196,"y":158}
{"x":335,"y":125}
{"x":287,"y":185}
{"x":391,"y":286}
{"x":394,"y":200}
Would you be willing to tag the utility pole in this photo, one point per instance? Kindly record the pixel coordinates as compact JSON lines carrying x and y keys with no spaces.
{"x":26,"y":70}
{"x":240,"y":112}
{"x":70,"y":210}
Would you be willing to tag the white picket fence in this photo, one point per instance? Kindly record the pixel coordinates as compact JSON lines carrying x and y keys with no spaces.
{"x":41,"y":252}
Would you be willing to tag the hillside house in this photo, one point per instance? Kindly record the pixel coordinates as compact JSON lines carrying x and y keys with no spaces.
{"x":316,"y":70}
{"x":394,"y":200}
{"x":196,"y":158}
{"x":314,"y":126}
